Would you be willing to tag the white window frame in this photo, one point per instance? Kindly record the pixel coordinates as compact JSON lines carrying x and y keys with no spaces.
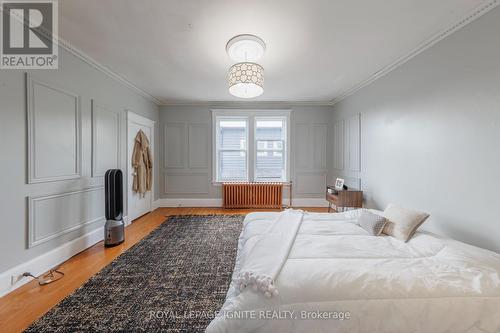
{"x":251,"y":116}
{"x":284,"y":150}
{"x":217,"y":149}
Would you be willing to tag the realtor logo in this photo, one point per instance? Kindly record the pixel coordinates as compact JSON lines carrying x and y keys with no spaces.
{"x":28,"y":34}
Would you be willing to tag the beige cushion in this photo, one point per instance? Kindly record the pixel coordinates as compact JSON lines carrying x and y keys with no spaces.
{"x":402,"y":222}
{"x":372,"y":223}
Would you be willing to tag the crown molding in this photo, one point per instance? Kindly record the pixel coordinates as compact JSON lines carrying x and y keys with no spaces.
{"x":260,"y":104}
{"x":476,"y":13}
{"x":106,"y":70}
{"x":95,"y":64}
{"x":121,"y":79}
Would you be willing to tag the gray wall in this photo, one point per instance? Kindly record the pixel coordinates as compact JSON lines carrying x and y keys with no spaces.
{"x":430,"y":134}
{"x":186,"y":152}
{"x":56,"y":168}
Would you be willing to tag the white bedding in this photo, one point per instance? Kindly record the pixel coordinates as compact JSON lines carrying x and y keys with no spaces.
{"x":335,"y":269}
{"x":266,"y":257}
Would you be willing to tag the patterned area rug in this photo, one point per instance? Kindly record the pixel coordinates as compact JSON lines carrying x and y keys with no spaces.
{"x":174,"y":280}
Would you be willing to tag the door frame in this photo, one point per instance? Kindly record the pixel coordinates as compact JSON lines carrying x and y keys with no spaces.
{"x":141,"y":121}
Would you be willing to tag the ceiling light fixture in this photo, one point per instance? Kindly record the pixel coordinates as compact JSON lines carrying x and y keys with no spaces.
{"x":246,"y":77}
{"x":246,"y":80}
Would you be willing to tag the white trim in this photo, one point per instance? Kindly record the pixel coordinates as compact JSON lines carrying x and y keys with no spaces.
{"x":103,"y":69}
{"x":248,"y":104}
{"x":215,"y":142}
{"x":11,"y":279}
{"x":142,"y":121}
{"x":285,"y":151}
{"x":30,"y":109}
{"x":126,"y":221}
{"x":32,"y":217}
{"x":179,"y":202}
{"x":480,"y":10}
{"x":213,"y":202}
{"x":476,"y":13}
{"x":249,"y":115}
{"x":251,"y":112}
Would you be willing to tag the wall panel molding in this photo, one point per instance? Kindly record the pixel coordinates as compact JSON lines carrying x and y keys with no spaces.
{"x":311,"y":146}
{"x":186,"y":182}
{"x":353,"y":182}
{"x":198,"y":145}
{"x":347,"y":150}
{"x":46,"y":261}
{"x":98,"y":107}
{"x":352,"y":143}
{"x":78,"y":216}
{"x":310,"y":182}
{"x":303,"y":153}
{"x":175,"y":145}
{"x":338,"y":145}
{"x":54,"y":141}
{"x":319,"y":144}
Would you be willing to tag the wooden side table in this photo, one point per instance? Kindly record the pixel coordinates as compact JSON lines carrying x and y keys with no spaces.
{"x":344,"y":199}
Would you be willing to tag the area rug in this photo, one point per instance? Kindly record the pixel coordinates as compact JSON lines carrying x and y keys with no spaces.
{"x":174,"y":280}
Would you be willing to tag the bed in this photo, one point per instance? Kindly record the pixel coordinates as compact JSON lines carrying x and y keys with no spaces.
{"x":337,"y":278}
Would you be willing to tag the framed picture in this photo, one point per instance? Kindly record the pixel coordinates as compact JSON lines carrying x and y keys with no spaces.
{"x":339,"y":184}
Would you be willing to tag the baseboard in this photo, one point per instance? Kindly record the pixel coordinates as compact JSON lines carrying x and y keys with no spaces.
{"x":180,"y":202}
{"x":12,"y":278}
{"x":309,"y":202}
{"x":171,"y":202}
{"x":126,"y":221}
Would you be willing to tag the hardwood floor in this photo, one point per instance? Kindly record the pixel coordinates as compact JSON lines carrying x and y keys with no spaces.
{"x":28,"y":303}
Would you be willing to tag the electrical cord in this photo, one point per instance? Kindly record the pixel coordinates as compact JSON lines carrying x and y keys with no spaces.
{"x":47,"y":277}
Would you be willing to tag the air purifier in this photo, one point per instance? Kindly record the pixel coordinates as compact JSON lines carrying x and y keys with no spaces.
{"x":114,"y":228}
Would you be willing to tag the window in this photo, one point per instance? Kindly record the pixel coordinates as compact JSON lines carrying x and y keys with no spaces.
{"x":250,"y":146}
{"x":232,"y":149}
{"x":270,"y":145}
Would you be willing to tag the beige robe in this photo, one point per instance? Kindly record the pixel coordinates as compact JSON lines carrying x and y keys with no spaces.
{"x":142,"y":162}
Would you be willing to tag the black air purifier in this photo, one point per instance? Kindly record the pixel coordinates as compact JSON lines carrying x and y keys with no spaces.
{"x":114,"y":229}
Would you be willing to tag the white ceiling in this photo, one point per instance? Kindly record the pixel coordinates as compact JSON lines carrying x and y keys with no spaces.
{"x":316,"y":49}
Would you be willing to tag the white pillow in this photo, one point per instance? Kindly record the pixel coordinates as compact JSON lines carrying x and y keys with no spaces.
{"x":402,"y":222}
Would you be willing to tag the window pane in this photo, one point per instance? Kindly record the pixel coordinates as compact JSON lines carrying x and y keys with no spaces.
{"x":269,"y":130}
{"x":269,"y":165}
{"x":269,"y":160}
{"x":232,"y":165}
{"x":269,"y":145}
{"x":232,"y":134}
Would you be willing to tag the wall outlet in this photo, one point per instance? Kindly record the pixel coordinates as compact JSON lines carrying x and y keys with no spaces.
{"x":16,"y":278}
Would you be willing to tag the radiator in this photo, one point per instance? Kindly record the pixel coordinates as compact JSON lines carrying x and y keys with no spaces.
{"x":252,"y":195}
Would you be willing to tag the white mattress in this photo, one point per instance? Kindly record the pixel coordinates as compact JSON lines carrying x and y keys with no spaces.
{"x":429,"y":284}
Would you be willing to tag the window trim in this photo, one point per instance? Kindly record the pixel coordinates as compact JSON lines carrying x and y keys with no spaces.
{"x":250,"y":116}
{"x":215,"y":155}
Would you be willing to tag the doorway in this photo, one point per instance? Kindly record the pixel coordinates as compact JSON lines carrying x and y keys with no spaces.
{"x":138,"y":205}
